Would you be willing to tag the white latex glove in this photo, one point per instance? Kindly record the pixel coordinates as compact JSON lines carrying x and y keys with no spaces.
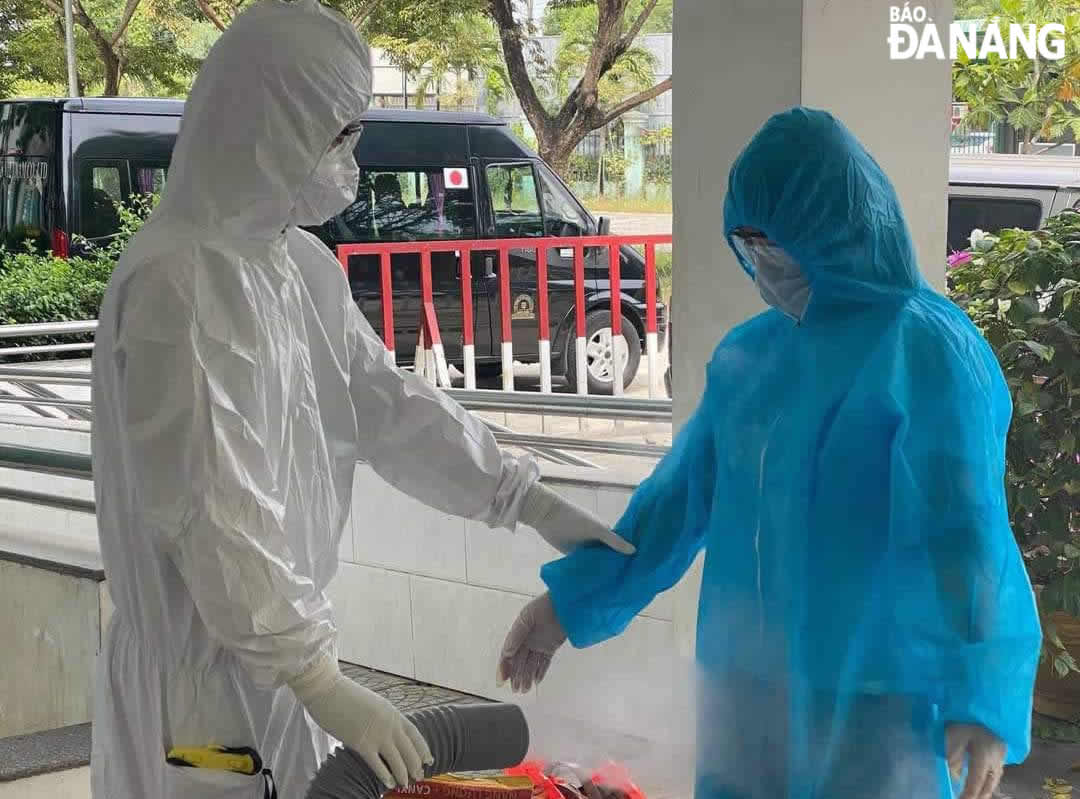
{"x":532,"y":641}
{"x":566,"y":526}
{"x":364,"y":722}
{"x":985,"y":754}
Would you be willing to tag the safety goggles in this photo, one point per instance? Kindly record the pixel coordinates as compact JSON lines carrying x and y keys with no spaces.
{"x":351,"y":131}
{"x":752,"y":246}
{"x":780,"y":280}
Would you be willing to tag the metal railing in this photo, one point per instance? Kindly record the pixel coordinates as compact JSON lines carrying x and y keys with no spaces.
{"x":51,"y":462}
{"x":58,"y":463}
{"x":623,"y":408}
{"x":430,"y":358}
{"x":47,"y":329}
{"x":30,"y":378}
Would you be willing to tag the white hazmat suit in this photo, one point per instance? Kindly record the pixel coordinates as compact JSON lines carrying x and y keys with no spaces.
{"x":235,"y":387}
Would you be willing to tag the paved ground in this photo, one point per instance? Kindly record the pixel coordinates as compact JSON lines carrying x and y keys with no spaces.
{"x":635,"y":224}
{"x":1047,"y":760}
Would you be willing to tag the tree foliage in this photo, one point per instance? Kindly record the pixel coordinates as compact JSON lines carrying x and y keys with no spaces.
{"x":136,"y":46}
{"x":598,"y":72}
{"x":1034,"y":95}
{"x":433,"y":38}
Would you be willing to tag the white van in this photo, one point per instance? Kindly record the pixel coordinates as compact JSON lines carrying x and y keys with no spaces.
{"x":991,"y":192}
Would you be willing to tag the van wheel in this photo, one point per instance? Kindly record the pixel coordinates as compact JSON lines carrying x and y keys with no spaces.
{"x":601,"y":356}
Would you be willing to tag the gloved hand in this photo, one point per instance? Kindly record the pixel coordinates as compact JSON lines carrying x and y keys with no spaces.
{"x":532,"y":641}
{"x":564,"y":525}
{"x":985,"y":754}
{"x":364,"y":722}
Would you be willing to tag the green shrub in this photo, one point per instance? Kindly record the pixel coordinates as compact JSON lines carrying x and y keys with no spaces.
{"x":582,"y":168}
{"x":658,"y":169}
{"x":36,"y":287}
{"x":1022,"y":290}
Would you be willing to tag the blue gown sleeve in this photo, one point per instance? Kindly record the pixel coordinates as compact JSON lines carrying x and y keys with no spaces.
{"x":597,"y":592}
{"x":978,"y":613}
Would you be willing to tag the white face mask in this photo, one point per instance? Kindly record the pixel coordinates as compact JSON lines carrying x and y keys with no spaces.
{"x":780,"y":280}
{"x":332,"y":186}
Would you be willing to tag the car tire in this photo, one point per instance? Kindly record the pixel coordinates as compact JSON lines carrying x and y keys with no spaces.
{"x":600,"y":354}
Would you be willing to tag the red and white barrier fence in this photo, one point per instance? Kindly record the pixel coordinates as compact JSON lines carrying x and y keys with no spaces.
{"x":430,"y":354}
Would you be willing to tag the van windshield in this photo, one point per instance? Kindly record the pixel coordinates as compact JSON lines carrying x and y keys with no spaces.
{"x":23,"y":183}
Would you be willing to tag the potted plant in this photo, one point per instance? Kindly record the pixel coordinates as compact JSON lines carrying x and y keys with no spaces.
{"x":1022,"y":290}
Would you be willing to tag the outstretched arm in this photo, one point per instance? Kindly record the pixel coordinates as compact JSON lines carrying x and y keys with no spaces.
{"x":597,"y":592}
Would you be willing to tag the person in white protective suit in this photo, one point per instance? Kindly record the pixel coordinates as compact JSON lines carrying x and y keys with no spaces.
{"x":235,"y":387}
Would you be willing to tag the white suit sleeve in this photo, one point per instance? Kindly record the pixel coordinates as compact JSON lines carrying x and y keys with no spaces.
{"x":210,"y":476}
{"x":423,"y":443}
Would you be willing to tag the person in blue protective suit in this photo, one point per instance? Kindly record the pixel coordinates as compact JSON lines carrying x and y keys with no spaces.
{"x":866,"y":626}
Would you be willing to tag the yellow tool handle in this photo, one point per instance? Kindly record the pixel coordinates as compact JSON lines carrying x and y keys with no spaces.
{"x":242,"y":761}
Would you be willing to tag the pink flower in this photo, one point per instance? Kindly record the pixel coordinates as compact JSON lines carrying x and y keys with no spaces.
{"x":958,"y":257}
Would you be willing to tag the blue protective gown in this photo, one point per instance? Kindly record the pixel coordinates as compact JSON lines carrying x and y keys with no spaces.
{"x":862,"y":587}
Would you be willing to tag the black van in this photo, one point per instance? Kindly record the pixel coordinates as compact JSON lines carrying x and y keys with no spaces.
{"x":424,"y":176}
{"x":64,"y":164}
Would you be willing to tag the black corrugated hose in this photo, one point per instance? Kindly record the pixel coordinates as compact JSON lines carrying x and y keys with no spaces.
{"x":481,"y":737}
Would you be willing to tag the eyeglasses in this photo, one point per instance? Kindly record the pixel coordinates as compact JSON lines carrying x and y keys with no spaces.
{"x":350,"y":131}
{"x":749,"y":234}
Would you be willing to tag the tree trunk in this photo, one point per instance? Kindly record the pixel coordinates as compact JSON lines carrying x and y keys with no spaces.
{"x":556,"y":149}
{"x":113,"y":70}
{"x":557,"y":134}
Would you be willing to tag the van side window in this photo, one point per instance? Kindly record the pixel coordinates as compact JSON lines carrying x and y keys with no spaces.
{"x":413,"y":205}
{"x":148,"y":179}
{"x":101,"y":189}
{"x":514,"y":200}
{"x":562,"y":216}
{"x":23,"y":188}
{"x":990,"y":214}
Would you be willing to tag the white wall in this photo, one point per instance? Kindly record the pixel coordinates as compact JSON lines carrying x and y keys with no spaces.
{"x":50,"y":633}
{"x":429,"y":596}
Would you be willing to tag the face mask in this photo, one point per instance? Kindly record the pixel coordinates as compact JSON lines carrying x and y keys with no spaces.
{"x":780,"y":280}
{"x":332,"y":187}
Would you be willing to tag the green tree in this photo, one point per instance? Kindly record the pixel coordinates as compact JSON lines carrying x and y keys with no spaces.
{"x":597,"y":64}
{"x":561,"y":16}
{"x":430,"y":39}
{"x":1039,"y":97}
{"x":135,"y":43}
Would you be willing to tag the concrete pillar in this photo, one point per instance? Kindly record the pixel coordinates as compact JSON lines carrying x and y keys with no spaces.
{"x":740,"y":61}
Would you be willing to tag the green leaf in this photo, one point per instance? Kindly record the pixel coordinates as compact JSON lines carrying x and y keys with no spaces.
{"x":1025,"y":406}
{"x":1028,"y":497}
{"x":1044,"y":351}
{"x":1017,"y":286}
{"x":1061,"y":666}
